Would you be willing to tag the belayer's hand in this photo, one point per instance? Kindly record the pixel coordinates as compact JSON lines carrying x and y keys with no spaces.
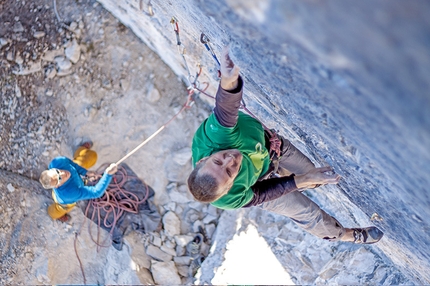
{"x":323,"y":175}
{"x":111,"y":169}
{"x":229,"y":71}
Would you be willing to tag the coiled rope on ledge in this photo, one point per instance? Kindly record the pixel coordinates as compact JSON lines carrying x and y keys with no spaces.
{"x":114,"y":203}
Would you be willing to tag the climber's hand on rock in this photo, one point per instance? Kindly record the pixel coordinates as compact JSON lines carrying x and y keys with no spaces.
{"x":229,"y":71}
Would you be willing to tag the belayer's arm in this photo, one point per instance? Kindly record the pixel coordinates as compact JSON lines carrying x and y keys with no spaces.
{"x":94,"y":192}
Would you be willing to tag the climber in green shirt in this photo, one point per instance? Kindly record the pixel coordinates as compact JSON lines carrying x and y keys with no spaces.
{"x":234,"y":167}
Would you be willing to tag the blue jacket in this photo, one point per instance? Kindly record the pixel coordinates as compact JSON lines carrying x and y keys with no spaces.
{"x":74,"y":189}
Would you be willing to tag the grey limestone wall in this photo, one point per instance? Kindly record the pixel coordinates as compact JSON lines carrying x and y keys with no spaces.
{"x":347,"y":81}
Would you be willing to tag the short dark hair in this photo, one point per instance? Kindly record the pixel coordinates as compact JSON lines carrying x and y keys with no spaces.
{"x":204,"y":187}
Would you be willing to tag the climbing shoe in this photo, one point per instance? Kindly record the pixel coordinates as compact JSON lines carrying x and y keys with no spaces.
{"x":64,"y":218}
{"x":367,"y":235}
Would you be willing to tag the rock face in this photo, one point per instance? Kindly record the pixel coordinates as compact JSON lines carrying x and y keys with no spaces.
{"x":345,"y":82}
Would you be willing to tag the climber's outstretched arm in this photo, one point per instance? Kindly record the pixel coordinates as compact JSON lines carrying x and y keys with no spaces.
{"x":229,"y":92}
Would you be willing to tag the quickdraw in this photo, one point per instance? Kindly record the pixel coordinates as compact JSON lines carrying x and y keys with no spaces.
{"x":206,"y":41}
{"x":193,"y":85}
{"x":175,"y":26}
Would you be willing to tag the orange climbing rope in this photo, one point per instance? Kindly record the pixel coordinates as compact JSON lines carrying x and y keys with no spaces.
{"x":116,"y":201}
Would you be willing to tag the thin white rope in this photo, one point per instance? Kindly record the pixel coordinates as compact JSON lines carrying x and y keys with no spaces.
{"x":140,"y":145}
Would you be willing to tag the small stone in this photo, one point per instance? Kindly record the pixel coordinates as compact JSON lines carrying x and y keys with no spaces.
{"x":182,"y":260}
{"x":73,"y":52}
{"x":31,"y":67}
{"x":18,"y":28}
{"x":180,"y":251}
{"x":9,"y":56}
{"x":73,"y":26}
{"x":92,"y":111}
{"x":211,"y":210}
{"x":106,"y":83}
{"x":193,"y":217}
{"x":17,"y":91}
{"x":63,"y":64}
{"x":49,"y":56}
{"x":10,"y":188}
{"x":179,"y":210}
{"x":49,"y":93}
{"x":158,"y":254}
{"x":168,"y":250}
{"x":39,"y":34}
{"x":165,"y":273}
{"x":197,"y":225}
{"x":171,"y":224}
{"x":183,"y":270}
{"x":156,"y":240}
{"x":183,"y":240}
{"x":64,"y":72}
{"x":124,"y":83}
{"x":170,"y":243}
{"x":18,"y":59}
{"x":210,"y":229}
{"x":171,"y":206}
{"x":194,"y":205}
{"x":3,"y":42}
{"x":153,"y":95}
{"x":50,"y":72}
{"x":209,"y":218}
{"x":180,"y":197}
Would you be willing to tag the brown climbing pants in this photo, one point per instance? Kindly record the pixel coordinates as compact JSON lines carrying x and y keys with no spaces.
{"x":297,"y":206}
{"x":85,"y":158}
